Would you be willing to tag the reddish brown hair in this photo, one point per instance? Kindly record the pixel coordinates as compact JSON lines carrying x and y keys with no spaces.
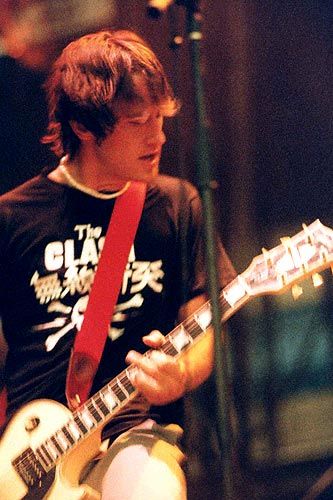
{"x":89,"y":75}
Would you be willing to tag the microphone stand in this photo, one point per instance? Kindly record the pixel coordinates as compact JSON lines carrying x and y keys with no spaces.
{"x":175,"y":45}
{"x":206,"y":186}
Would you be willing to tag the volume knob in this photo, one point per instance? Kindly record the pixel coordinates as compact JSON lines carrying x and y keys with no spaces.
{"x":32,"y":423}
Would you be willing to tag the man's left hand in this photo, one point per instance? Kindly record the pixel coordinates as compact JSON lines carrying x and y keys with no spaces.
{"x":159,"y":377}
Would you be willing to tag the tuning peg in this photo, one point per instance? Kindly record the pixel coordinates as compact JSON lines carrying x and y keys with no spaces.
{"x":288,"y":245}
{"x":308,"y":233}
{"x":266,"y":254}
{"x":317,"y":280}
{"x":285,"y":240}
{"x":296,"y":291}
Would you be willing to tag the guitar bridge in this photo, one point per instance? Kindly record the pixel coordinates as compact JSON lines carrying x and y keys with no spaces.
{"x":29,"y":468}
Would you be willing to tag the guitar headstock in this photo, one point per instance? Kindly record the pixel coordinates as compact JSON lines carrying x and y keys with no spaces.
{"x":274,"y":271}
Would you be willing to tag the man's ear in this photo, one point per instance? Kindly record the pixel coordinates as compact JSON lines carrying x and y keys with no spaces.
{"x":81,"y":131}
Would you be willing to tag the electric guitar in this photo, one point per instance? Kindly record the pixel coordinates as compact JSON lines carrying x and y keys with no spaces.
{"x":45,"y":446}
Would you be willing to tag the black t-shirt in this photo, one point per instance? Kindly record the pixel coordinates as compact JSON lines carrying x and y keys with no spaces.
{"x":51,"y":237}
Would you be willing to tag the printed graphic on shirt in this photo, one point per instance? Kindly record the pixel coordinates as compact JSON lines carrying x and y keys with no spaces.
{"x":79,"y":257}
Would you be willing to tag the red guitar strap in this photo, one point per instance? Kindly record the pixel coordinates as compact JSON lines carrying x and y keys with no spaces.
{"x":90,"y":339}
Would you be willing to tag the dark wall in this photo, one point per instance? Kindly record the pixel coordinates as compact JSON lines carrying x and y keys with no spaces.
{"x":294,"y":109}
{"x":22,"y":123}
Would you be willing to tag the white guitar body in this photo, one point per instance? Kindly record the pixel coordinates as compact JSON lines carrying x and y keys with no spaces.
{"x":49,"y":416}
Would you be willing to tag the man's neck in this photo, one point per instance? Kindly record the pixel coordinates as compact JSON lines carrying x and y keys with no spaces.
{"x":86,"y":170}
{"x":70,"y":174}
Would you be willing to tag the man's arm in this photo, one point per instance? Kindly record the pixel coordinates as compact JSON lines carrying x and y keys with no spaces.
{"x":162,"y":378}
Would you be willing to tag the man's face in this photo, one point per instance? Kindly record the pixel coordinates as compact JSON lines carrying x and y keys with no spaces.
{"x":132,"y":150}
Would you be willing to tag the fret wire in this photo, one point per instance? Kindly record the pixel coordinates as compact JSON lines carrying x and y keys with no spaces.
{"x":80,"y":424}
{"x":102,"y":406}
{"x":52,"y":450}
{"x":123,"y":378}
{"x":181,"y":338}
{"x":189,"y":324}
{"x":94,"y":411}
{"x":109,"y":391}
{"x":118,"y":391}
{"x":68,"y":435}
{"x":95,"y":415}
{"x":126,"y":382}
{"x":56,"y":444}
{"x":87,"y":417}
{"x":194,"y":328}
{"x":169,"y":348}
{"x":62,"y":440}
{"x":45,"y":451}
{"x":74,"y":429}
{"x":98,"y":411}
{"x":224,"y":304}
{"x":109,"y":397}
{"x":171,"y":351}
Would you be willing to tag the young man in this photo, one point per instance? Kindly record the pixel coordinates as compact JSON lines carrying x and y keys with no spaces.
{"x":108,"y":96}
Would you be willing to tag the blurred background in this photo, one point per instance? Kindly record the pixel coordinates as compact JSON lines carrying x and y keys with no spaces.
{"x":268,"y":73}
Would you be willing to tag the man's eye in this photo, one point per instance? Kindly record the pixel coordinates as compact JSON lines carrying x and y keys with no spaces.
{"x":140,"y":121}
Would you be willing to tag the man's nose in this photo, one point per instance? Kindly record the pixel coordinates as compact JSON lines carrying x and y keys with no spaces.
{"x":156,"y":136}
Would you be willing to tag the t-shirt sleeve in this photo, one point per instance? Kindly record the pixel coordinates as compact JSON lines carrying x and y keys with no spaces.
{"x":194,"y":251}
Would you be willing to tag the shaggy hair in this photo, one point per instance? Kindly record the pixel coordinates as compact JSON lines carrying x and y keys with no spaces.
{"x":90,"y":75}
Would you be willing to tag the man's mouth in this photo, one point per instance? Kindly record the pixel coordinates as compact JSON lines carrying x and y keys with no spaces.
{"x":150,"y":156}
